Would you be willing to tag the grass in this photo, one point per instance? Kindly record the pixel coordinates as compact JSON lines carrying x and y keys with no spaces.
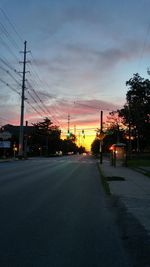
{"x":104,"y":181}
{"x":138,"y":163}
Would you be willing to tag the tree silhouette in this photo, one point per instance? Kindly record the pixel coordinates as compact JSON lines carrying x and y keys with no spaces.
{"x":136,"y":111}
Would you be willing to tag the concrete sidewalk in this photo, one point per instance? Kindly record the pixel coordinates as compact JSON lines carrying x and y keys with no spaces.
{"x":133,"y":191}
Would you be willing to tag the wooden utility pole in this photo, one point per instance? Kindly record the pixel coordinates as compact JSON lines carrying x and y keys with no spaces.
{"x":20,"y":154}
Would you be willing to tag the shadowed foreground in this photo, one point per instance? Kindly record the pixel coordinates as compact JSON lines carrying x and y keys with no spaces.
{"x":54,"y":213}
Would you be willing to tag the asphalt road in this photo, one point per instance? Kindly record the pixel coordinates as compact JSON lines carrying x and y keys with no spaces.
{"x":54,"y":212}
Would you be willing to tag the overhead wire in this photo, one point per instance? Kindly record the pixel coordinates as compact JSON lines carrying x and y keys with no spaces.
{"x":37,"y":77}
{"x":11,"y":24}
{"x":8,"y":72}
{"x":34,"y":108}
{"x":92,"y":107}
{"x":6,"y":63}
{"x":42,"y":106}
{"x":8,"y":85}
{"x":6,"y":45}
{"x":8,"y":41}
{"x":6,"y":33}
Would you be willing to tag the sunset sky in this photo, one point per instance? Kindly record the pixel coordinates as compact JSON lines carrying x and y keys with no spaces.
{"x":81,"y":53}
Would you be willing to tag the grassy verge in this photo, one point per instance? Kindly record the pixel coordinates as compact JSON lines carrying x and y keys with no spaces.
{"x":104,"y":181}
{"x":138,"y":164}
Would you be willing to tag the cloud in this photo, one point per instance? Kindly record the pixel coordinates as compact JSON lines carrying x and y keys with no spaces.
{"x":81,"y":70}
{"x":79,"y":59}
{"x":4,"y":99}
{"x":82,"y":49}
{"x":9,"y":114}
{"x":81,"y":112}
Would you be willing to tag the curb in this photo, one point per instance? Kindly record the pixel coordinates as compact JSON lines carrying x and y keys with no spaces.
{"x":104,"y":181}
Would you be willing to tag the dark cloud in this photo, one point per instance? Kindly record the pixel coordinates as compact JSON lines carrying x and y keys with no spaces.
{"x":4,"y":99}
{"x":81,"y":58}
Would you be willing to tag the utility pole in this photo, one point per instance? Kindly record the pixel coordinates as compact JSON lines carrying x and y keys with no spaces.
{"x":101,"y":140}
{"x":26,"y":140}
{"x":68,"y":133}
{"x":68,"y":123}
{"x":75,"y":130}
{"x":101,"y":119}
{"x":20,"y":154}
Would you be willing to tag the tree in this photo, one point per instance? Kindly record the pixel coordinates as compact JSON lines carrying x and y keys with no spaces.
{"x":47,"y":136}
{"x":136,"y":111}
{"x":69,"y":146}
{"x":114,"y":127}
{"x":43,"y":127}
{"x":54,"y":143}
{"x":95,"y":147}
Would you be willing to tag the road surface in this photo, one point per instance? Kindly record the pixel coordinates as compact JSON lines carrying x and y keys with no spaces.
{"x":54,"y":213}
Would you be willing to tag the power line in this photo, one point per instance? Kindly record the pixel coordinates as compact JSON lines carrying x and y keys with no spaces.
{"x":42,"y":82}
{"x":35,"y":101}
{"x":43,"y":106}
{"x":7,"y":71}
{"x":36,"y":79}
{"x":33,"y":108}
{"x":11,"y":24}
{"x":8,"y":40}
{"x":8,"y":47}
{"x":7,"y":36}
{"x":12,"y":40}
{"x":8,"y":85}
{"x":6,"y":63}
{"x":92,"y":107}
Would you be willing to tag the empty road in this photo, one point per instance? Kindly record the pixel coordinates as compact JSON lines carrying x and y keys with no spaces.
{"x":54,"y":213}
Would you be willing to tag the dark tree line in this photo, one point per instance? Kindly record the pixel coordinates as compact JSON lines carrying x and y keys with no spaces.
{"x":41,"y":139}
{"x":131,"y":124}
{"x":136,"y":112}
{"x":47,"y":139}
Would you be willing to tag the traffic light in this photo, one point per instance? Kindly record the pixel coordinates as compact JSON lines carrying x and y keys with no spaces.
{"x":68,"y":134}
{"x":83,"y":134}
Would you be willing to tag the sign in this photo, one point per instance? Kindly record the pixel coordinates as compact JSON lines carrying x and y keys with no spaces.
{"x":4,"y":144}
{"x":5,"y":135}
